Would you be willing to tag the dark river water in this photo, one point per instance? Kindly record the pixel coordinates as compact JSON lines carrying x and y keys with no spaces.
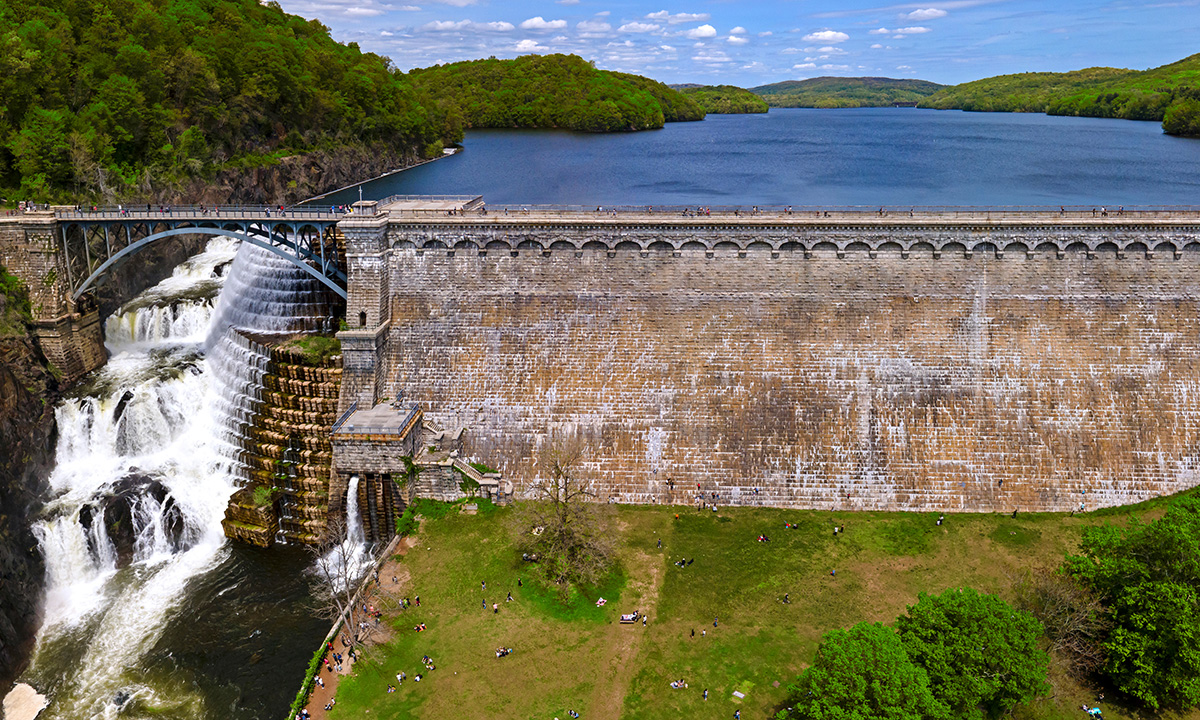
{"x":876,"y":156}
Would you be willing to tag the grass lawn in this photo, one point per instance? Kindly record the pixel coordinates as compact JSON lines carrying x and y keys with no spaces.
{"x":581,"y":658}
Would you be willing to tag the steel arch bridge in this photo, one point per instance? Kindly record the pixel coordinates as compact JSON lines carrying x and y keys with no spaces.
{"x":96,"y":242}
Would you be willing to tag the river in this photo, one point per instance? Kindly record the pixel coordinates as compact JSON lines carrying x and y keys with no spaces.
{"x":863,"y":157}
{"x":149,"y":611}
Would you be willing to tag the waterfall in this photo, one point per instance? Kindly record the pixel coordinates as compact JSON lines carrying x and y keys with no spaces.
{"x":348,"y":561}
{"x":147,"y":458}
{"x":354,"y":526}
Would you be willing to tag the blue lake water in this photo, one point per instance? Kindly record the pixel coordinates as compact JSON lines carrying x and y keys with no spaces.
{"x":875,"y":156}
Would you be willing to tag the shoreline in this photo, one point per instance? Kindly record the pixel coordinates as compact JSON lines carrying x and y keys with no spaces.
{"x":389,"y":173}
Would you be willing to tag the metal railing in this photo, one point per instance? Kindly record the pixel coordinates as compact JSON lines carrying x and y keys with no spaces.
{"x":167,"y":212}
{"x":345,"y":416}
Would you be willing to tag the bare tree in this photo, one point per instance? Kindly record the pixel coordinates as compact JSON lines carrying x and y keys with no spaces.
{"x":338,"y":588}
{"x":562,"y":527}
{"x":1075,"y":621}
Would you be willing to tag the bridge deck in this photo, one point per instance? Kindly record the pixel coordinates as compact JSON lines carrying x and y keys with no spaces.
{"x":952,"y":217}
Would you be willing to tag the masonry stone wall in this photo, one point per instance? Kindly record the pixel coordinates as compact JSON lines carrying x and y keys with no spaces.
{"x":935,"y":367}
{"x":68,"y":333}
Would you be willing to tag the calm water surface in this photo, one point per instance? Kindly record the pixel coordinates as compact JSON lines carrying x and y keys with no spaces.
{"x":877,"y":156}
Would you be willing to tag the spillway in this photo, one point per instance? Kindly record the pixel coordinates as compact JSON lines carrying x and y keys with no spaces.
{"x":147,"y":457}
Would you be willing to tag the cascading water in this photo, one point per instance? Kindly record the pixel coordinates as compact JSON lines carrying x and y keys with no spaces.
{"x":147,"y":458}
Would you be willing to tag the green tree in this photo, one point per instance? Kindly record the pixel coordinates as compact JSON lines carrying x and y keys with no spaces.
{"x":981,"y":654}
{"x":863,"y":673}
{"x":1149,"y":574}
{"x":1183,"y":118}
{"x":1154,"y":653}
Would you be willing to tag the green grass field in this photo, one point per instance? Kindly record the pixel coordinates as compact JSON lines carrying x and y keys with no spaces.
{"x":579,"y":657}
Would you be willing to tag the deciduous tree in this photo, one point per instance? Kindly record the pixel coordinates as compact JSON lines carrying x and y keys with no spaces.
{"x":863,"y":673}
{"x":981,"y":654}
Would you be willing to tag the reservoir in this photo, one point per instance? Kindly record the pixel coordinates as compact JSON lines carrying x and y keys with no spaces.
{"x":802,"y":157}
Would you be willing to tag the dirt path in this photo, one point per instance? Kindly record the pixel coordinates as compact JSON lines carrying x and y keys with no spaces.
{"x":625,"y":641}
{"x":393,"y":577}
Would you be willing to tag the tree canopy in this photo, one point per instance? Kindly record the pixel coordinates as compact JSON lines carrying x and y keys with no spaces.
{"x":105,"y":97}
{"x":1149,"y":575}
{"x":552,"y":91}
{"x":1092,"y":92}
{"x":725,"y":99}
{"x":981,"y":654}
{"x":863,"y":673}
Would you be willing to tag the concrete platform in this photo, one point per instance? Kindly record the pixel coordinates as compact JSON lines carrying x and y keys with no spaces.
{"x":383,"y":419}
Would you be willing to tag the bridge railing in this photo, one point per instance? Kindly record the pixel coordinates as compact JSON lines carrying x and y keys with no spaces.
{"x":163,"y":212}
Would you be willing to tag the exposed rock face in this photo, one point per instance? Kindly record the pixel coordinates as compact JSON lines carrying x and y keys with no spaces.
{"x":294,"y":178}
{"x":120,"y":507}
{"x":28,"y":393}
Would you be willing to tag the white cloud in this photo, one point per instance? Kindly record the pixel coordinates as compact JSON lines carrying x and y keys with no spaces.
{"x":604,"y":13}
{"x":827,"y":36}
{"x":767,"y":33}
{"x":540,"y":23}
{"x":664,"y":16}
{"x":593,"y":26}
{"x":448,"y":26}
{"x":926,"y":14}
{"x":638,"y":27}
{"x":409,"y":8}
{"x":704,"y":31}
{"x":362,"y":11}
{"x":911,"y":30}
{"x":739,"y":30}
{"x":711,"y":57}
{"x":831,"y":50}
{"x":876,"y":46}
{"x":835,"y":67}
{"x":528,"y":46}
{"x":804,"y":66}
{"x":567,"y":2}
{"x":385,"y":33}
{"x":668,"y":48}
{"x":904,"y":67}
{"x":879,"y":31}
{"x":457,"y":3}
{"x":736,"y":40}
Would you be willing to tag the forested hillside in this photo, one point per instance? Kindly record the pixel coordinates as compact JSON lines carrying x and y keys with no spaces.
{"x":121,"y":98}
{"x":838,"y":92}
{"x":725,"y":99}
{"x":552,"y":91}
{"x":1170,"y":93}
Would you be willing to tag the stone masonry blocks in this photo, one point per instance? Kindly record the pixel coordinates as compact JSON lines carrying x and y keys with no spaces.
{"x":982,"y":379}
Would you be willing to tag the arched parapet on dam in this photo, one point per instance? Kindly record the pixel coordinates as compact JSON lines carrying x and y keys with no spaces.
{"x":520,"y":237}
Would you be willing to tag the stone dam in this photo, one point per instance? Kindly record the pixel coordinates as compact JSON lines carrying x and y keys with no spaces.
{"x":962,"y":360}
{"x":940,"y":360}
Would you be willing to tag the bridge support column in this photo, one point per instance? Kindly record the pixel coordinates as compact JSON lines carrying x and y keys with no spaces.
{"x":69,"y":335}
{"x":368,"y":307}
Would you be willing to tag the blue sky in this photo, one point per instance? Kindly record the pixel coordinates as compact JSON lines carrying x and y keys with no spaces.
{"x":752,"y":43}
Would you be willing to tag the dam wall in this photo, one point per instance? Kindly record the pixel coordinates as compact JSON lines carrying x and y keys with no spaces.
{"x":911,"y":363}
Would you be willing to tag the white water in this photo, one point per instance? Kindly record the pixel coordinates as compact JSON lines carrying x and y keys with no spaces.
{"x":156,"y":437}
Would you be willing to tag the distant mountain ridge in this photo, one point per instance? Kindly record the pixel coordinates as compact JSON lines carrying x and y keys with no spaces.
{"x":840,"y":92}
{"x":723,"y":99}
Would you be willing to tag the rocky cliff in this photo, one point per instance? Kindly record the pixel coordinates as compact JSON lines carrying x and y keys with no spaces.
{"x":292,"y":179}
{"x":28,"y":393}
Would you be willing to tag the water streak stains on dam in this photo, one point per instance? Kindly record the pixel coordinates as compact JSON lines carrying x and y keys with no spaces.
{"x":908,"y":367}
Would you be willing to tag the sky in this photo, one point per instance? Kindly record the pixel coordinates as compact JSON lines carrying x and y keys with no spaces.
{"x":765,"y":41}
